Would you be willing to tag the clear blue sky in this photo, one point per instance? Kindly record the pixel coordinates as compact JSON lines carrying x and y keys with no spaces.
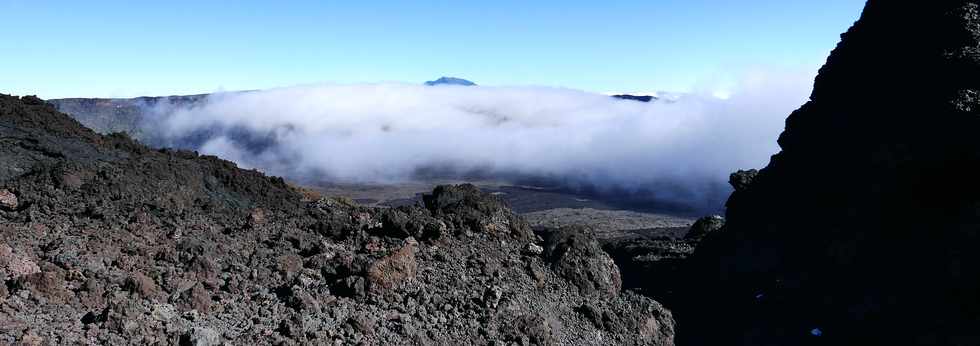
{"x":131,"y":48}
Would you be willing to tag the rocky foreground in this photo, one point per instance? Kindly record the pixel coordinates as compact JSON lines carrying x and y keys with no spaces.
{"x":104,"y":241}
{"x":862,"y":231}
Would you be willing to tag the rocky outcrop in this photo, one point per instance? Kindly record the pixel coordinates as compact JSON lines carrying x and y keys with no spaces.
{"x":468,"y":209}
{"x":124,"y":115}
{"x":863,"y":229}
{"x":109,"y":242}
{"x":704,"y":226}
{"x":576,"y":256}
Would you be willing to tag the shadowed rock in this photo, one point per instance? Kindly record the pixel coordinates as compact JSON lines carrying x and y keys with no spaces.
{"x":703,"y":227}
{"x":863,"y":229}
{"x":576,"y":256}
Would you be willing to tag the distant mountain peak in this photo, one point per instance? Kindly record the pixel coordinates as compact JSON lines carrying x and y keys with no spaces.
{"x":450,"y":81}
{"x":641,"y":98}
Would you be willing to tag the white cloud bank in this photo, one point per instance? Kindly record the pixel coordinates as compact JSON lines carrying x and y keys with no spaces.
{"x":379,"y":133}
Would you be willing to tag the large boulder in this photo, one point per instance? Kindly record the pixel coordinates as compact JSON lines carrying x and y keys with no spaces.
{"x":863,"y":229}
{"x":468,"y":208}
{"x":394,"y":269}
{"x":8,"y":200}
{"x":704,"y":226}
{"x":575,"y":255}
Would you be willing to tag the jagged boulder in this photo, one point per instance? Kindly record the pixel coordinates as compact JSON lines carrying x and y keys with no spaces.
{"x":577,"y":256}
{"x":863,"y":229}
{"x":741,"y":180}
{"x":8,"y":200}
{"x":468,"y":208}
{"x":404,"y":222}
{"x":394,"y":269}
{"x":704,"y":226}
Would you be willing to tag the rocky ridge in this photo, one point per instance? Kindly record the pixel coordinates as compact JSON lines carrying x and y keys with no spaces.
{"x":104,"y":241}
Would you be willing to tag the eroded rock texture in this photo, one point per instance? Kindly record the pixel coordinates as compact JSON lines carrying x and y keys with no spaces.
{"x":864,"y":229}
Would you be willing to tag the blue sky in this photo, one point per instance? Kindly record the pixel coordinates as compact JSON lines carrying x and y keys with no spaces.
{"x":131,"y":48}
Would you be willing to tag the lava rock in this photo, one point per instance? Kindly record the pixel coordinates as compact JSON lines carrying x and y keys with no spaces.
{"x":866,"y":220}
{"x":704,"y":226}
{"x":256,"y":217}
{"x":532,"y":329}
{"x":363,"y":323}
{"x":469,"y":208}
{"x":534,"y":249}
{"x":289,"y":265}
{"x":195,"y":298}
{"x":93,"y":245}
{"x":142,"y":285}
{"x":200,"y":336}
{"x":13,"y":265}
{"x":8,"y":200}
{"x":49,"y":283}
{"x":390,"y":271}
{"x":403,"y":222}
{"x":574,"y":254}
{"x":742,"y":179}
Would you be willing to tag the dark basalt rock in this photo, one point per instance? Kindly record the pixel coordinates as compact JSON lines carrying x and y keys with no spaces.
{"x":468,"y":208}
{"x":103,"y":240}
{"x":576,"y":256}
{"x":704,"y":226}
{"x":863,"y":230}
{"x":742,"y":179}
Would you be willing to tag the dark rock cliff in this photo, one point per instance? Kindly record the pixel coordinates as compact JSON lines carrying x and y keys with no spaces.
{"x":864,"y":229}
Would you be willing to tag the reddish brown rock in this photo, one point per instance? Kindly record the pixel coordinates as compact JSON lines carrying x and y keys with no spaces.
{"x":204,"y":270}
{"x":289,"y":265}
{"x":15,"y":265}
{"x":143,"y":285}
{"x":195,"y":298}
{"x":49,"y":283}
{"x":8,"y":201}
{"x":390,"y":271}
{"x":91,"y":294}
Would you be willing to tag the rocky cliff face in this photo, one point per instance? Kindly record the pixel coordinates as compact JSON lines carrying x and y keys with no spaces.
{"x":132,"y":116}
{"x":104,"y":241}
{"x":864,"y":228}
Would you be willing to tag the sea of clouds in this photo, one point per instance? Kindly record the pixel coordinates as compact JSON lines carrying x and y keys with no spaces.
{"x":680,"y":149}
